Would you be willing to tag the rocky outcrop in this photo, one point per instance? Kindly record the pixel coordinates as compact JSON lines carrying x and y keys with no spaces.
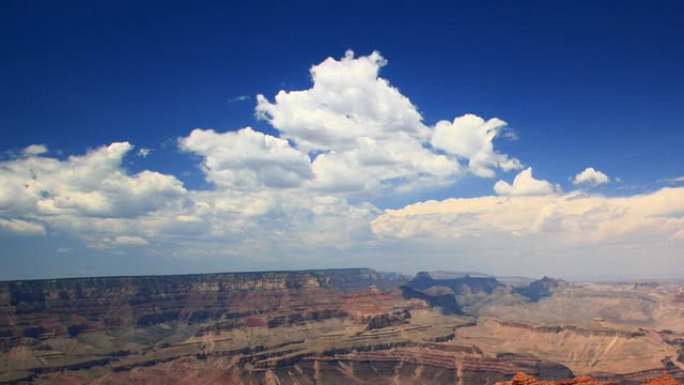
{"x":663,"y":379}
{"x":527,"y":379}
{"x":379,"y":321}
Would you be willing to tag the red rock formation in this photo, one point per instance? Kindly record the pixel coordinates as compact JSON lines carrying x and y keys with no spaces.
{"x":664,"y":379}
{"x":526,"y":379}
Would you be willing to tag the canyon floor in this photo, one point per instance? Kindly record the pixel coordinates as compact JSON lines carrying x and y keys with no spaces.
{"x":346,"y":326}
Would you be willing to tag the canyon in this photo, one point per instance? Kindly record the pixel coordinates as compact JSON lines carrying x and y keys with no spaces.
{"x":339,"y":326}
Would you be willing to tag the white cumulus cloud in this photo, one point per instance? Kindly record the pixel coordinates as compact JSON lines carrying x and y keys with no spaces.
{"x":400,"y":163}
{"x":348,"y":101}
{"x":35,"y":149}
{"x":525,"y":184}
{"x":590,"y":176}
{"x":471,"y":137}
{"x":82,"y":192}
{"x":248,"y":159}
{"x":366,"y":138}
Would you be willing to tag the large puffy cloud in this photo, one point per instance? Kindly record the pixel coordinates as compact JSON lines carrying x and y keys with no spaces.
{"x":590,"y":176}
{"x":471,"y":137}
{"x":525,"y":184}
{"x":400,"y":163}
{"x":90,"y":185}
{"x":569,"y":219}
{"x":247,"y":159}
{"x":348,"y":101}
{"x":93,"y":184}
{"x":365,"y":137}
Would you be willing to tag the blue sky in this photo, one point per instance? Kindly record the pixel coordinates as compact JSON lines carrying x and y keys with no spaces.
{"x":579,"y":84}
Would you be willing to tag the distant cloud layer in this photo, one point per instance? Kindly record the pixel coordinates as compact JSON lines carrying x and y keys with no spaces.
{"x":569,"y":219}
{"x":22,"y":227}
{"x":342,"y":144}
{"x":574,"y":233}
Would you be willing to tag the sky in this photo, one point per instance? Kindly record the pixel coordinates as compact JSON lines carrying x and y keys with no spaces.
{"x":509,"y":137}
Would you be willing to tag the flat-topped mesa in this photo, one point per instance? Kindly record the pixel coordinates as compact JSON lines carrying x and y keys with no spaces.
{"x":43,"y":308}
{"x":41,"y":289}
{"x":465,"y":284}
{"x":48,"y":292}
{"x":526,"y":379}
